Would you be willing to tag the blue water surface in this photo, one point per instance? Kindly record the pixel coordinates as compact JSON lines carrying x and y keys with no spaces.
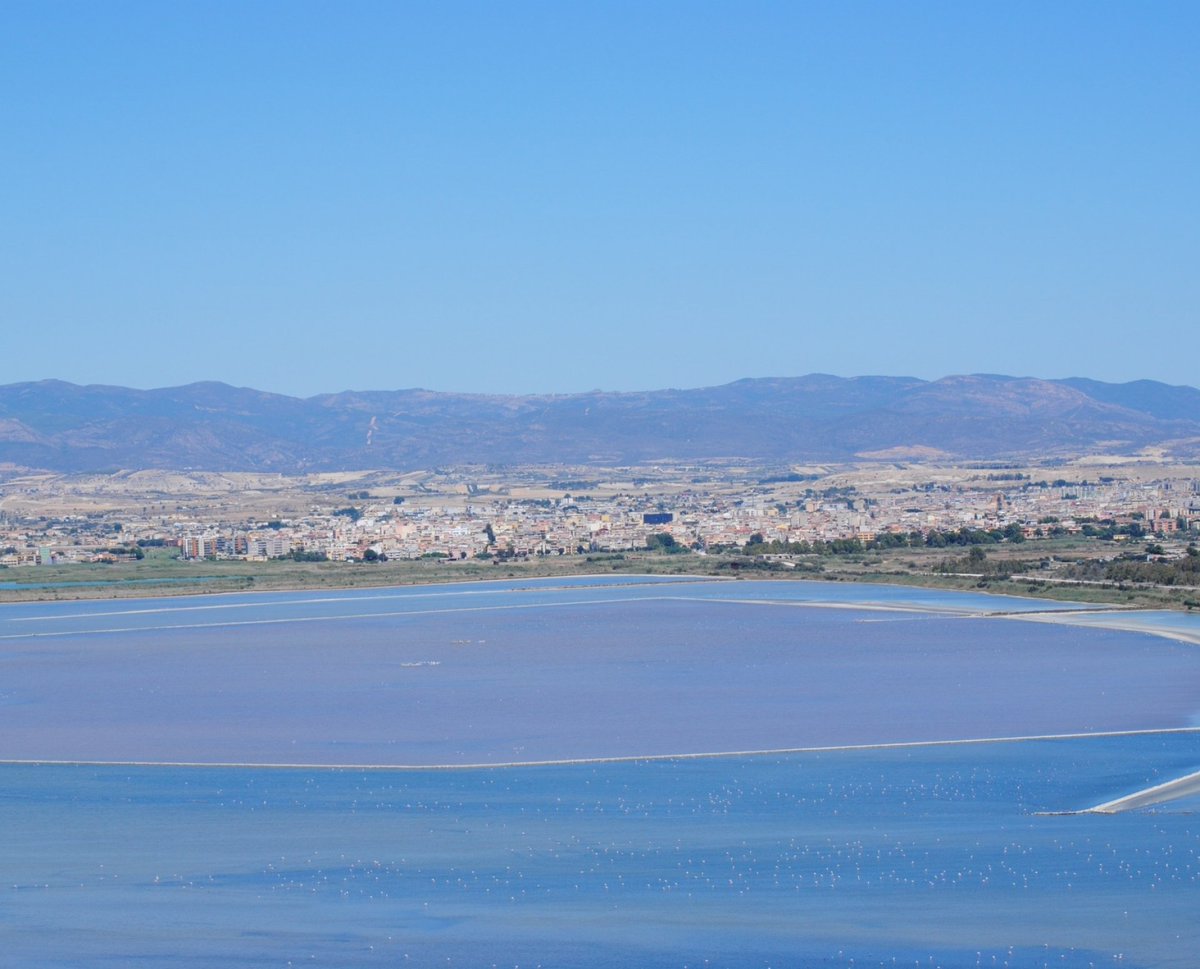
{"x":932,"y":856}
{"x":243,"y":606}
{"x":944,"y":854}
{"x":487,"y":674}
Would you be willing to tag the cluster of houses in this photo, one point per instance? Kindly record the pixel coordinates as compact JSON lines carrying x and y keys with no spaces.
{"x":498,"y":527}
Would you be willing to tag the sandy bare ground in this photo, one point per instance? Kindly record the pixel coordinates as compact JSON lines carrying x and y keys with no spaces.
{"x":1180,"y":787}
{"x":1113,"y":620}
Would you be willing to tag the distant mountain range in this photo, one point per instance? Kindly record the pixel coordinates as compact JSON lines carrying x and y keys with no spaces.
{"x":818,"y":418}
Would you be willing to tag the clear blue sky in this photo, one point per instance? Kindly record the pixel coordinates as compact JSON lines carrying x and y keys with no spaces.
{"x":509,"y":196}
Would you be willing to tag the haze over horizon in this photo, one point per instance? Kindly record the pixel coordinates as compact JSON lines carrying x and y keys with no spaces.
{"x":545,"y":199}
{"x":598,"y":390}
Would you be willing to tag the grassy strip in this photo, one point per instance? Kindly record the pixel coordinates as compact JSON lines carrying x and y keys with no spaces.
{"x":161,"y":573}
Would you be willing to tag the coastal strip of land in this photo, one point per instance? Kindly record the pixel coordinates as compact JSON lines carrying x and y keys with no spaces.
{"x":436,"y":591}
{"x":631,"y":758}
{"x":915,"y":610}
{"x":1173,"y":790}
{"x":1119,"y":620}
{"x":281,"y":620}
{"x":650,"y":591}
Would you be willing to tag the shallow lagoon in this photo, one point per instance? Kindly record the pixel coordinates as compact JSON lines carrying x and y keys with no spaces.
{"x":930,"y":856}
{"x":497,"y":673}
{"x":923,"y":856}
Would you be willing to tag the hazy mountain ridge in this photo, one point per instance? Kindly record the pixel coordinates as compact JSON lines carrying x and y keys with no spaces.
{"x":66,"y":427}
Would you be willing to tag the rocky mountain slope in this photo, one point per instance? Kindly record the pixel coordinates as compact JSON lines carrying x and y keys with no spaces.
{"x":816,"y":418}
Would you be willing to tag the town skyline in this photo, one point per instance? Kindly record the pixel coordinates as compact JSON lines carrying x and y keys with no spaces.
{"x":407,"y":557}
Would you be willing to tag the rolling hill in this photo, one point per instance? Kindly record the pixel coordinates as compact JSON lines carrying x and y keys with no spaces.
{"x":816,"y":418}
